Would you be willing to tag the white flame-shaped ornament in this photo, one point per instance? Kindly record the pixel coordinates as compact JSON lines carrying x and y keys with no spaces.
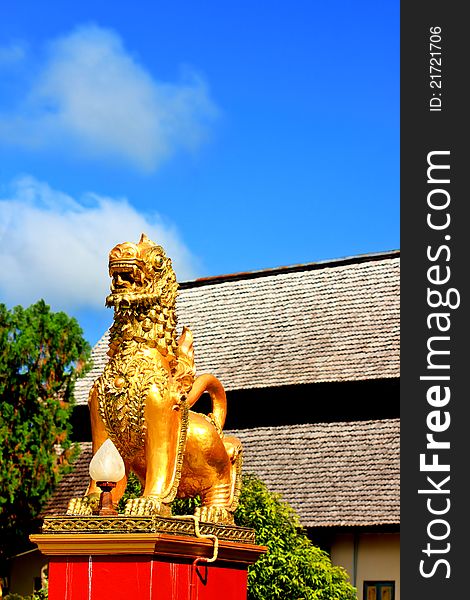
{"x":107,"y":464}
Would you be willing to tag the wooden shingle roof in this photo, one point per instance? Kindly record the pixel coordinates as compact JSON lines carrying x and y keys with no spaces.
{"x":321,"y":322}
{"x":332,"y":474}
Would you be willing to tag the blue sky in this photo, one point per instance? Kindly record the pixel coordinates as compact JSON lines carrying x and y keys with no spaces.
{"x":240,"y":136}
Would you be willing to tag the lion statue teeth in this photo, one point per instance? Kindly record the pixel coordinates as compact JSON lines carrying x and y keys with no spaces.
{"x":143,"y":398}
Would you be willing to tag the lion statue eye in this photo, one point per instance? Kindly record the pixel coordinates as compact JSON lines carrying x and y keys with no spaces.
{"x":158,"y":261}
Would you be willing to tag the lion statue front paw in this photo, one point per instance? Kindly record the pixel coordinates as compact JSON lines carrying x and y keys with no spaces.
{"x":214,"y":514}
{"x":147,"y":506}
{"x":84,"y":506}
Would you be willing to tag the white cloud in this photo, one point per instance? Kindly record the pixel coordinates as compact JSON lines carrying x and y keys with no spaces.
{"x":93,"y":98}
{"x":55,"y":247}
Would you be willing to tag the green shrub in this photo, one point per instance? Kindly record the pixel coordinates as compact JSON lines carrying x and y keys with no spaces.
{"x":133,"y":490}
{"x":293,"y":568}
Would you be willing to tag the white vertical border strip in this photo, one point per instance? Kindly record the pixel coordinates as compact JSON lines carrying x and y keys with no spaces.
{"x":90,"y":575}
{"x":67,"y":575}
{"x":151,"y":579}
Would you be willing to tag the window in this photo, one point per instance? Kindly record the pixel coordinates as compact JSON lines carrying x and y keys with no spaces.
{"x":379,"y":590}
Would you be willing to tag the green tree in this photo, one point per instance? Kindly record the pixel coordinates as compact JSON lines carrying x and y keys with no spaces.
{"x":41,"y":354}
{"x":293,"y":568}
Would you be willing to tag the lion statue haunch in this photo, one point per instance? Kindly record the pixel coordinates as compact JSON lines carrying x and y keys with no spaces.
{"x":143,"y":398}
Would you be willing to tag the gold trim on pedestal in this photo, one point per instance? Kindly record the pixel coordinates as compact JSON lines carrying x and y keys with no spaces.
{"x":160,"y":544}
{"x":162,"y":536}
{"x":125,"y":525}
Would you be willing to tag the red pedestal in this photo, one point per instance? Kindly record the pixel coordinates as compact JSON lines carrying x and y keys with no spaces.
{"x":145,"y":566}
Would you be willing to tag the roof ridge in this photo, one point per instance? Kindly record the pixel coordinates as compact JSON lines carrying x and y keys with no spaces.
{"x":321,"y":264}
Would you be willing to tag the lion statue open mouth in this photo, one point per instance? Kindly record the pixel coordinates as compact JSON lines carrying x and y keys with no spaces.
{"x":143,"y":398}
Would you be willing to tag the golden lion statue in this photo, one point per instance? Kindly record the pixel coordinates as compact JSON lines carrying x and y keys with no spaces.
{"x":143,"y":398}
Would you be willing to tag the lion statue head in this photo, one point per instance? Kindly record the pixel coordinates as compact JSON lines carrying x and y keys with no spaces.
{"x":143,"y":295}
{"x":141,"y":275}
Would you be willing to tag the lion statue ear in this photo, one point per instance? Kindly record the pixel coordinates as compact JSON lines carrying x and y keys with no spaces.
{"x":145,"y":241}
